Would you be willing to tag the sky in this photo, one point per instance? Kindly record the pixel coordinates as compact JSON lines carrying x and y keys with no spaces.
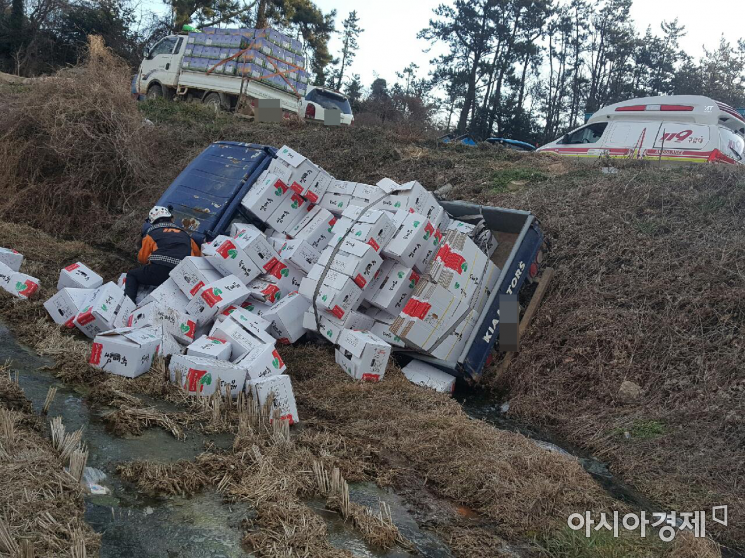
{"x":389,"y":42}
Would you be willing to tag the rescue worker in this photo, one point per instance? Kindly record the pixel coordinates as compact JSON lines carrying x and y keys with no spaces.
{"x":164,"y":245}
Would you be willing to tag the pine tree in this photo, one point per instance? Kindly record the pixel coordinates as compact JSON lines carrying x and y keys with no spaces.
{"x":349,"y":49}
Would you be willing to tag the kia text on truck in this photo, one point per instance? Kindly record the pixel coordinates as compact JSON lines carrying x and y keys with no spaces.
{"x":678,"y":128}
{"x":217,"y":66}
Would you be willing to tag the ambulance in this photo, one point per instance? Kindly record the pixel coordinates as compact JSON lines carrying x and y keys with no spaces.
{"x":676,"y":128}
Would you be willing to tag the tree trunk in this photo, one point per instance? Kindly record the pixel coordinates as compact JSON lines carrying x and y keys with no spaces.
{"x":261,"y":15}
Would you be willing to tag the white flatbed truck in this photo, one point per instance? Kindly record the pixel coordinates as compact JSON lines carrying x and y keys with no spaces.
{"x":161,"y":75}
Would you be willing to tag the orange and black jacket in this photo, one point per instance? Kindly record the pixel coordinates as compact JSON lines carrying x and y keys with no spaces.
{"x":166,"y":244}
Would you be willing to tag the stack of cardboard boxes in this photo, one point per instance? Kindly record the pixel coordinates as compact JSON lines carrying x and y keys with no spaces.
{"x":366,"y":267}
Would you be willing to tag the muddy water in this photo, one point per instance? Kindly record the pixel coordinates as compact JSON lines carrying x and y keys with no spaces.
{"x":202,"y":526}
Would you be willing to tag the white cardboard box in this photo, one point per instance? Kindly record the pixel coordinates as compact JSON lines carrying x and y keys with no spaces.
{"x":179,"y":324}
{"x":338,"y":294}
{"x":168,"y":295}
{"x":170,"y":346}
{"x":423,"y":374}
{"x":303,"y":171}
{"x":210,"y":347}
{"x":355,"y":259}
{"x":300,"y":254}
{"x":199,"y":376}
{"x":240,"y":339}
{"x":316,"y":228}
{"x":264,"y":291}
{"x":215,"y":297}
{"x":79,"y":276}
{"x":257,"y":247}
{"x":11,"y":258}
{"x":124,"y":312}
{"x":286,"y":318}
{"x":373,"y":227}
{"x":126,"y":351}
{"x":99,"y":313}
{"x":265,"y":196}
{"x":246,"y":316}
{"x":286,"y":277}
{"x":394,"y":291}
{"x":405,"y":247}
{"x":284,"y":398}
{"x":289,"y":212}
{"x":6,"y":274}
{"x":362,"y":355}
{"x":228,"y":258}
{"x":335,"y":202}
{"x":459,"y":266}
{"x":22,"y":285}
{"x":237,"y":228}
{"x":318,"y":186}
{"x":262,"y":362}
{"x":66,"y":304}
{"x":192,"y":274}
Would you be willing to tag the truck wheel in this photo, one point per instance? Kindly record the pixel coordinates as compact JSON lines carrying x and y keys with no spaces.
{"x":213,"y":100}
{"x":155,"y":92}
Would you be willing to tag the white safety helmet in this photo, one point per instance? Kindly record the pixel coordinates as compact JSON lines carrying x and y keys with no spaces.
{"x":158,"y":212}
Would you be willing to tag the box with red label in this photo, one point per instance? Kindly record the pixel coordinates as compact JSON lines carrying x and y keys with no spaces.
{"x":354,"y":259}
{"x":264,"y":291}
{"x":66,"y":304}
{"x":394,"y":291}
{"x":11,"y":258}
{"x":299,"y":254}
{"x":126,"y":351}
{"x":423,"y":374}
{"x":362,"y":355}
{"x":124,"y":312}
{"x":431,"y":247}
{"x":265,"y":196}
{"x":286,"y":277}
{"x":192,"y":274}
{"x":240,"y":338}
{"x":22,"y":285}
{"x":459,"y":266}
{"x":410,"y":240}
{"x":298,"y":169}
{"x":289,"y":212}
{"x":215,"y":297}
{"x":430,"y":315}
{"x":278,"y":389}
{"x":331,"y":327}
{"x":262,"y":362}
{"x":210,"y":347}
{"x":257,"y":247}
{"x":372,"y":227}
{"x":99,"y":313}
{"x":286,"y":318}
{"x":79,"y":276}
{"x":200,"y":376}
{"x":315,"y":228}
{"x":122,"y":281}
{"x":224,"y":254}
{"x":318,"y":186}
{"x":379,"y":276}
{"x":168,"y":295}
{"x":338,"y":294}
{"x":415,"y":195}
{"x":179,"y":324}
{"x":247,"y":313}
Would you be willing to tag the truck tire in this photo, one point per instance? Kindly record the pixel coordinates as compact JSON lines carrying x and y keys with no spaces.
{"x":154,"y":92}
{"x":213,"y":100}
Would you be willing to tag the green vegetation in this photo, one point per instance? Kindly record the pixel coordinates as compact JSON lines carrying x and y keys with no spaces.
{"x":642,"y":429}
{"x":600,"y":544}
{"x":504,"y":177}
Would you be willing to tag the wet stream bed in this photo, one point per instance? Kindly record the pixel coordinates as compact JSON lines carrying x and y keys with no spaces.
{"x":201,"y":526}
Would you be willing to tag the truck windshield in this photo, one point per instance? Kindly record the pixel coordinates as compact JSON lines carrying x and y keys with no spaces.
{"x":329,"y":100}
{"x":164,"y":47}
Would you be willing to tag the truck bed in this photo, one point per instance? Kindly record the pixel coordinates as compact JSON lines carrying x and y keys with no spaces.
{"x":232,"y":85}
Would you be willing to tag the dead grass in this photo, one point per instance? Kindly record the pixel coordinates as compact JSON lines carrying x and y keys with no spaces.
{"x":649,"y":288}
{"x":41,"y":506}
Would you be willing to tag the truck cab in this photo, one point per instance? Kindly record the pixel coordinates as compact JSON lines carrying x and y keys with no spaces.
{"x":678,"y":128}
{"x":159,"y":70}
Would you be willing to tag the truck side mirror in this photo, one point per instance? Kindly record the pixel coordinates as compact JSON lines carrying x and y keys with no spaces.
{"x":146,"y":53}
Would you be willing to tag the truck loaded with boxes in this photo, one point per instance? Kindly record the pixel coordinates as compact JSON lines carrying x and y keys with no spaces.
{"x":368,"y":277}
{"x":219,"y":65}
